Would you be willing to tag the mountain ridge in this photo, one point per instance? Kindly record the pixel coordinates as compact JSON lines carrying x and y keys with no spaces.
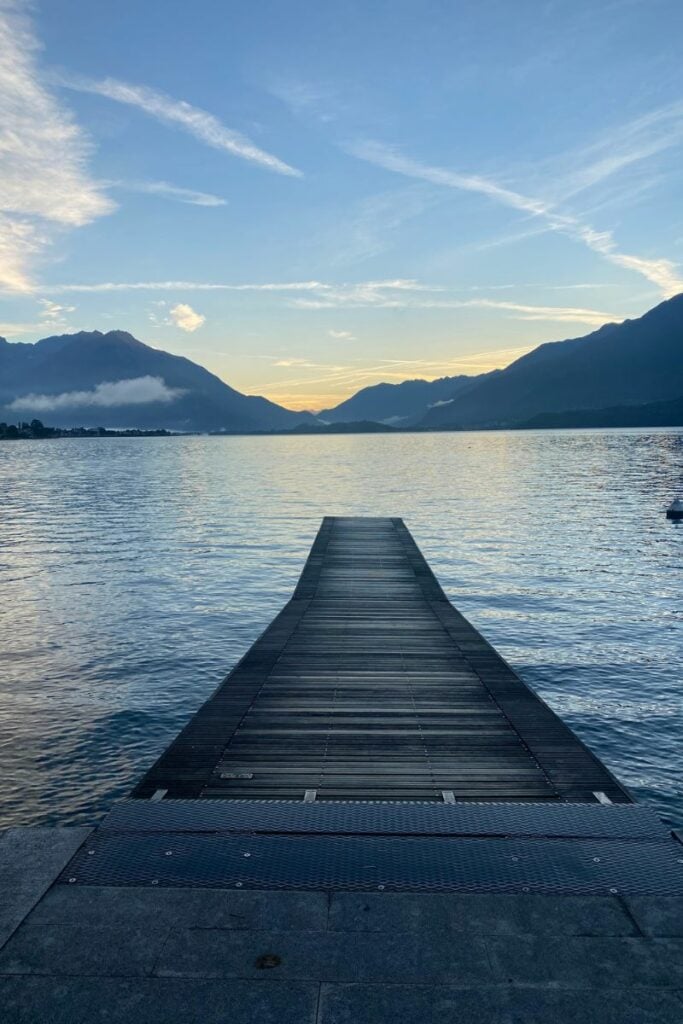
{"x":399,"y":404}
{"x":650,"y":414}
{"x":637,"y":362}
{"x":113,"y":380}
{"x":65,"y":378}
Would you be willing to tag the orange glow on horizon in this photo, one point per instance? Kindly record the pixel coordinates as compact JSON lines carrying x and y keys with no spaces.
{"x":340,"y":383}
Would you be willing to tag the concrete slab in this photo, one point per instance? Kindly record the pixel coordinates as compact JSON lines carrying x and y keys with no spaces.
{"x":411,"y":1004}
{"x":429,"y":1004}
{"x":188,"y":908}
{"x":68,"y":950}
{"x":588,"y":962}
{"x":658,"y":915}
{"x":35,"y":856}
{"x":34,"y":1000}
{"x":593,"y":1006}
{"x":152,"y":954}
{"x":30,"y":861}
{"x":494,"y":914}
{"x":326,"y":956}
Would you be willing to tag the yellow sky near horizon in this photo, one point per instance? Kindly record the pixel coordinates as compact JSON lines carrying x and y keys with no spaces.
{"x":314,"y":386}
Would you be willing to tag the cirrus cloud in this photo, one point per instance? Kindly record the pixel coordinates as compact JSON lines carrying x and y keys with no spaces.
{"x":663,"y":273}
{"x":167,"y":191}
{"x":178,"y":113}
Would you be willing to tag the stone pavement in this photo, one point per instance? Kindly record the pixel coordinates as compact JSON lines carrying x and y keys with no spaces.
{"x":146,"y":955}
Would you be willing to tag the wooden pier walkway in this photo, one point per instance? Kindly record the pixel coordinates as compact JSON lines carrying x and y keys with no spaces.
{"x":398,"y":829}
{"x":370,"y":685}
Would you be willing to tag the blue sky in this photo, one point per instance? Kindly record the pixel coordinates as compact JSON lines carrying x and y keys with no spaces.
{"x":310,"y":197}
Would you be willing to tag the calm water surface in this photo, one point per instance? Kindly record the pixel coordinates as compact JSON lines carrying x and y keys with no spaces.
{"x":135,"y":572}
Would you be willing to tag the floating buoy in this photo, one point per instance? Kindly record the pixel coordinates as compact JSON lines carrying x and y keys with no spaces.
{"x":675,"y":509}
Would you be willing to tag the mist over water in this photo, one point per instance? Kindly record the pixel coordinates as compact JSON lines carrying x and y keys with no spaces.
{"x":135,"y":572}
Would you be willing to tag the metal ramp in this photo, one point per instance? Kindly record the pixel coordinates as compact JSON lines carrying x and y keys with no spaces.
{"x":581,"y":849}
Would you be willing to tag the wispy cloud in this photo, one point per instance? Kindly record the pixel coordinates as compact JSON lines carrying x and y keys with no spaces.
{"x":391,"y":159}
{"x":199,"y":286}
{"x":556,"y":314}
{"x":10,"y":329}
{"x":397,"y":293}
{"x":372,"y":225}
{"x":186,"y":318}
{"x":305,"y":98}
{"x":364,"y":287}
{"x":46,"y":185}
{"x":53,"y":314}
{"x":180,"y":114}
{"x":135,"y":391}
{"x":327,"y":388}
{"x":292,"y":362}
{"x":394,"y":294}
{"x":661,"y":272}
{"x":341,"y":335}
{"x":616,"y":150}
{"x":540,"y":285}
{"x":357,"y":375}
{"x":368,"y":296}
{"x":167,"y":191}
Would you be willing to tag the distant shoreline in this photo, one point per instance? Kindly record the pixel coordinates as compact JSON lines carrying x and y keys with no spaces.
{"x":656,"y":415}
{"x":80,"y":434}
{"x":37,"y":431}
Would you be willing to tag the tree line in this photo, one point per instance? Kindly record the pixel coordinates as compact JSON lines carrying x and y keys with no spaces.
{"x":36,"y":429}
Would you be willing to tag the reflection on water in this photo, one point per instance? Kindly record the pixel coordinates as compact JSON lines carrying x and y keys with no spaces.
{"x":135,"y":572}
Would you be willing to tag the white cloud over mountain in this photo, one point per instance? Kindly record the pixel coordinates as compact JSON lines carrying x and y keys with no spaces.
{"x":135,"y":391}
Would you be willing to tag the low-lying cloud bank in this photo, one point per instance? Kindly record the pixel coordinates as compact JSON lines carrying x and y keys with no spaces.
{"x":135,"y":391}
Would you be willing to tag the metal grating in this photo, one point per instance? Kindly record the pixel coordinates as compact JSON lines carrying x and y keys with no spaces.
{"x":362,"y":863}
{"x":617,"y":821}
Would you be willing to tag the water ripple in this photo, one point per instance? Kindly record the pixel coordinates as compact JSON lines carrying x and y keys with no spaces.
{"x":135,"y":572}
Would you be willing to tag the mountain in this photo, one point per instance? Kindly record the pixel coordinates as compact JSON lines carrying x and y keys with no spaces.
{"x":654,"y":414}
{"x":632,"y":363}
{"x":114,"y":380}
{"x":396,"y":404}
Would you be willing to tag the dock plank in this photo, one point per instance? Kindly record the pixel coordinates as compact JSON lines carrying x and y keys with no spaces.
{"x":370,"y":685}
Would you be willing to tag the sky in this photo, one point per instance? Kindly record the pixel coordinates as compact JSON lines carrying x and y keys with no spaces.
{"x":307,"y":198}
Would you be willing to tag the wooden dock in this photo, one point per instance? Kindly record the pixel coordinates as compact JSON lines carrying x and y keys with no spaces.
{"x":372,"y":819}
{"x":372,"y":739}
{"x":370,"y":685}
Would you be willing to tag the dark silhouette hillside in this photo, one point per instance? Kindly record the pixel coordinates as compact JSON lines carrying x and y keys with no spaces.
{"x":65,"y":380}
{"x":632,"y":363}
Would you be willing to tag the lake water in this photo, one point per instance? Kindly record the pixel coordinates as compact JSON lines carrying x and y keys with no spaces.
{"x":135,"y":572}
